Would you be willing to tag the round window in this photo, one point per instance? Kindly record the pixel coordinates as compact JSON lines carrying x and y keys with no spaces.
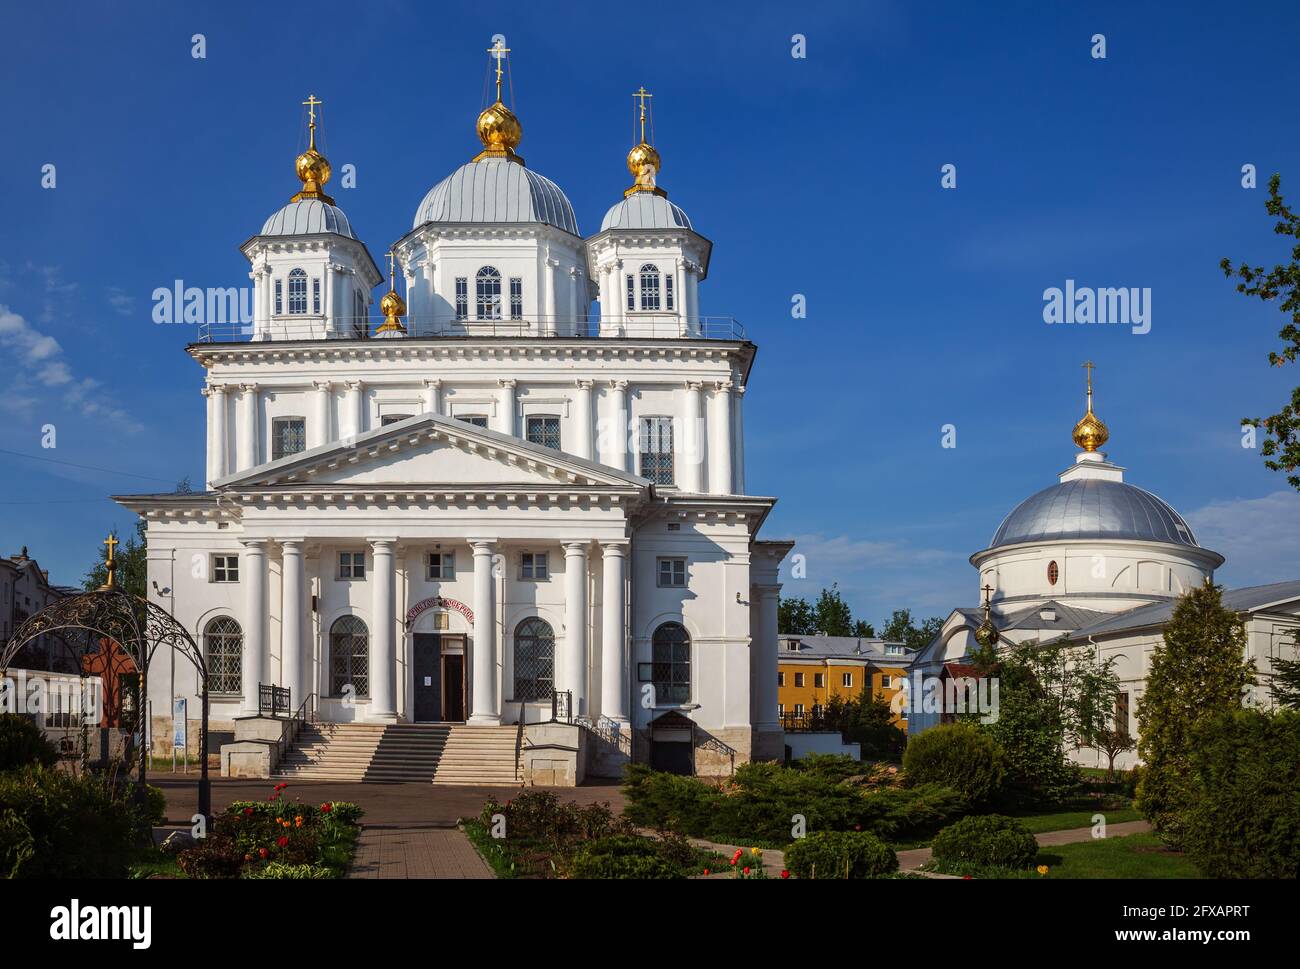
{"x":1053,"y":573}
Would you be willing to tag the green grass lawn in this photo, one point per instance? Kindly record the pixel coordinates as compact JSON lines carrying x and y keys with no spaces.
{"x":1132,"y":856}
{"x":1075,"y":816}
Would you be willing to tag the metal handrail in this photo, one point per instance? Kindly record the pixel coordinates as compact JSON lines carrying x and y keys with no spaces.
{"x":306,"y":713}
{"x":277,"y":698}
{"x":317,"y":327}
{"x":556,"y":707}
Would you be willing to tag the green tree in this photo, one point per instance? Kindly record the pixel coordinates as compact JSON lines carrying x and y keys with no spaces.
{"x":131,"y":558}
{"x":901,"y":628}
{"x":1281,"y":446}
{"x":1284,"y":681}
{"x":795,"y":617}
{"x":1198,"y":671}
{"x":832,"y":613}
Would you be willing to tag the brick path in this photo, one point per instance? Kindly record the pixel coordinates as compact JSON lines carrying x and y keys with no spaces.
{"x":416,"y":853}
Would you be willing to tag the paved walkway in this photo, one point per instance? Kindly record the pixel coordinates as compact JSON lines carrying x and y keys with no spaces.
{"x":916,"y":857}
{"x":416,"y":853}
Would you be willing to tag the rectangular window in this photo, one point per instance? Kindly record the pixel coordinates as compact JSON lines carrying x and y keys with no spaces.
{"x":279,"y":297}
{"x":288,"y":436}
{"x":225,"y":568}
{"x":798,"y":709}
{"x":297,"y":292}
{"x":441,"y":565}
{"x":1122,"y":713}
{"x":668,"y":292}
{"x":462,"y":297}
{"x":657,"y":449}
{"x":543,"y":429}
{"x":650,"y":289}
{"x":672,"y":573}
{"x":780,"y":679}
{"x":631,"y":293}
{"x":352,"y":565}
{"x":315,"y":295}
{"x":393,"y":419}
{"x":478,"y":420}
{"x":533,"y":565}
{"x":798,"y":679}
{"x":516,"y":298}
{"x":780,"y":709}
{"x":886,"y":681}
{"x":819,"y":680}
{"x":846,"y":679}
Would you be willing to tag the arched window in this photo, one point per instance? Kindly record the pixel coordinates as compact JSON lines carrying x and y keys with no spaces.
{"x":223,"y":641}
{"x":670,"y":667}
{"x":534,"y":659}
{"x":489,"y":294}
{"x":297,"y":291}
{"x":349,"y":656}
{"x":649,"y":287}
{"x":1053,"y":573}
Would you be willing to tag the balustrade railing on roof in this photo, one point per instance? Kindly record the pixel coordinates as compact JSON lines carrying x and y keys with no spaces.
{"x":635,"y":326}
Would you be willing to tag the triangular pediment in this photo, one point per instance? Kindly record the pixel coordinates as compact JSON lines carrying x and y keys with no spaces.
{"x":430,"y":449}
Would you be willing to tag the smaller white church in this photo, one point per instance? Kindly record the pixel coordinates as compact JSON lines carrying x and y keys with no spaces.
{"x":498,"y":507}
{"x":1096,"y":559}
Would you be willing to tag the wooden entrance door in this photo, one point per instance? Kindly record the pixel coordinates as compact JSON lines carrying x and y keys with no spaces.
{"x":453,"y":679}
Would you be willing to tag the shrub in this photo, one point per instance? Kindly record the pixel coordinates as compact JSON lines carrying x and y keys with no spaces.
{"x":53,"y":825}
{"x":278,"y":869}
{"x":840,"y":854}
{"x":1245,"y":793}
{"x":156,"y":804}
{"x":986,"y":839}
{"x":22,"y":744}
{"x":959,"y":756}
{"x":669,"y":802}
{"x":894,"y":813}
{"x":622,"y":856}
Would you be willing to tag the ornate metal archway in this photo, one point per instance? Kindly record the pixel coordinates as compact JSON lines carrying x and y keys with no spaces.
{"x":136,"y":625}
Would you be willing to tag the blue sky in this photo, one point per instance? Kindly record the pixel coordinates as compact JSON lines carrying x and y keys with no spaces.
{"x":817,"y":176}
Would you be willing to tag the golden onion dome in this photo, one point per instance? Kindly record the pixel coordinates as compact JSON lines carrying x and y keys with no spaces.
{"x":500,"y":132}
{"x":987,"y":634}
{"x":1091,"y":432}
{"x":644,"y":163}
{"x":392,"y":304}
{"x":313,"y":170}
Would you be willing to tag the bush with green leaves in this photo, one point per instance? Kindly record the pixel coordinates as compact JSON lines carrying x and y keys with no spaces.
{"x":278,"y":869}
{"x":55,"y":825}
{"x":986,"y":839}
{"x":840,"y":854}
{"x":23,"y":743}
{"x":1244,"y":821}
{"x":959,"y":756}
{"x":622,"y":856}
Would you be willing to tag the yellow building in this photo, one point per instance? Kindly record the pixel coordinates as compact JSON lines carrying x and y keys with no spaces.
{"x":812,"y":669}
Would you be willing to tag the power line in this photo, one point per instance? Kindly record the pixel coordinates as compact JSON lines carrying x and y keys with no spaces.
{"x":83,"y":467}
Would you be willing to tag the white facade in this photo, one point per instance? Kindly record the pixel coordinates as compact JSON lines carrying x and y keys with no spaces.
{"x":535,"y":500}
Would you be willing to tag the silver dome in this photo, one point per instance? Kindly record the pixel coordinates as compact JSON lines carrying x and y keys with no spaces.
{"x":1093,"y":508}
{"x":645,"y":211}
{"x":308,"y":217}
{"x":496,"y":190}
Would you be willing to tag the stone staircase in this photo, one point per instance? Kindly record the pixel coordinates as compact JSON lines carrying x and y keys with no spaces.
{"x":438,"y":753}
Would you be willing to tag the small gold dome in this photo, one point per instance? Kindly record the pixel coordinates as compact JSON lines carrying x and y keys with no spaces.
{"x":500,"y":132}
{"x":1091,"y":432}
{"x":987,"y":634}
{"x":392,"y":304}
{"x":644,"y":164}
{"x":313,"y":170}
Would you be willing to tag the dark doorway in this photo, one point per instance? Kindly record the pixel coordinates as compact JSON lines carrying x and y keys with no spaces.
{"x":453,"y":687}
{"x":675,"y":757}
{"x":427,"y":671}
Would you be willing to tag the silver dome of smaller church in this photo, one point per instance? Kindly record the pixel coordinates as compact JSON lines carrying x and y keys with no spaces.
{"x":496,"y":190}
{"x":644,"y":210}
{"x":1092,"y":508}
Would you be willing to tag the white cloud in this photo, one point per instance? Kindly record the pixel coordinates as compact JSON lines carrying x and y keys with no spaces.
{"x":121,"y":301}
{"x":1257,"y":536}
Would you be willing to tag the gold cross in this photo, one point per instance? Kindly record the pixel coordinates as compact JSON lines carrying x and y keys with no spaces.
{"x":312,"y":103}
{"x":499,"y":50}
{"x":642,"y":95}
{"x":1090,"y":367}
{"x":110,"y":565}
{"x":391,"y":258}
{"x":987,"y":590}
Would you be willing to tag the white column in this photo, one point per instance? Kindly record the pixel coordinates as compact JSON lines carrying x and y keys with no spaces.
{"x":584,"y":443}
{"x":613,"y":631}
{"x":506,"y":407}
{"x":253,"y":576}
{"x":620,"y":291}
{"x":575,"y":280}
{"x":354,"y":420}
{"x":346,"y":318}
{"x":220,"y":466}
{"x":679,"y":296}
{"x":691,"y":474}
{"x":383,"y":636}
{"x":738,"y":435}
{"x":246,"y":430}
{"x":692,"y":297}
{"x":318,"y":427}
{"x":550,"y":323}
{"x":485,"y":708}
{"x":575,"y":625}
{"x":293,"y":644}
{"x":408,"y":276}
{"x":616,"y":429}
{"x":720,"y":439}
{"x":433,"y":396}
{"x":331,"y":311}
{"x":764,"y":652}
{"x":209,"y":458}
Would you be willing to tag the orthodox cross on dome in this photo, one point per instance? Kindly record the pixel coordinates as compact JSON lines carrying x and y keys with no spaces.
{"x":1091,"y":432}
{"x":312,"y":104}
{"x":392,"y":261}
{"x":1089,"y":366}
{"x":642,"y":95}
{"x":109,"y":564}
{"x":499,"y":50}
{"x":988,"y":591}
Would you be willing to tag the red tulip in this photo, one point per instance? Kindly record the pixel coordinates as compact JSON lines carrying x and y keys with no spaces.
{"x":262,"y":852}
{"x":706,"y":871}
{"x":745,"y":870}
{"x":784,"y":873}
{"x":283,"y":842}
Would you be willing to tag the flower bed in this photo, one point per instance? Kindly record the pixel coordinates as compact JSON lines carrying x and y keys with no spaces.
{"x":276,"y":838}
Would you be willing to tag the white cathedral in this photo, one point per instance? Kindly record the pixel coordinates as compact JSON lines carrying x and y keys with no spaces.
{"x":496,"y":507}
